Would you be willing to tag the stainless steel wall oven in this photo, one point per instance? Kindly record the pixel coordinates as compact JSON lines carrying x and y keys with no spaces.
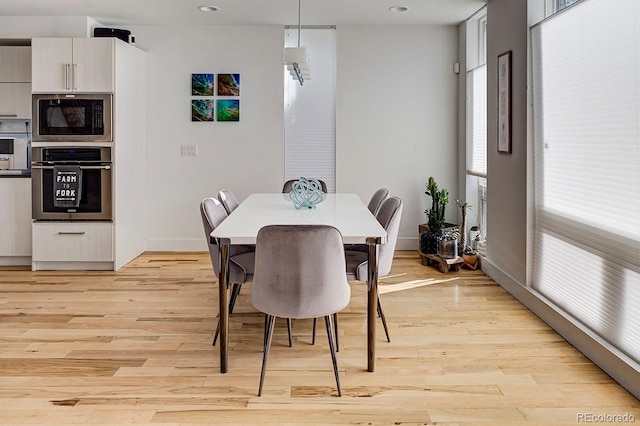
{"x":95,"y":194}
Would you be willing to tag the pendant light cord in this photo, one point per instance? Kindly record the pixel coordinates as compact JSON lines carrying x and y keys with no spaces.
{"x":299,"y":26}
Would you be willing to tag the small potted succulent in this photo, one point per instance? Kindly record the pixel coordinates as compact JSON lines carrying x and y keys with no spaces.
{"x":448,"y":243}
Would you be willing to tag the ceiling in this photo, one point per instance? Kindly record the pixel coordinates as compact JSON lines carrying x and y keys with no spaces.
{"x":249,"y":12}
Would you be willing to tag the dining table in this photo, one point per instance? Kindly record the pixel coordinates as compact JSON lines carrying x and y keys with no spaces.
{"x":346,"y":212}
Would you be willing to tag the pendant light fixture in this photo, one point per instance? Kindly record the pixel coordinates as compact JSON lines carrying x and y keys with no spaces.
{"x":297,"y":59}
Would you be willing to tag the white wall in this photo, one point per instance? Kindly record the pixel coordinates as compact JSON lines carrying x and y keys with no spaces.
{"x":245,"y":157}
{"x":395,"y":124}
{"x":26,"y":27}
{"x":507,"y":173}
{"x":396,"y":121}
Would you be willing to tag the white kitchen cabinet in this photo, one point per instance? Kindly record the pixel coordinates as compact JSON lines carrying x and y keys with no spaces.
{"x":15,"y":64}
{"x":65,"y":65}
{"x":15,"y":100}
{"x":15,"y":220}
{"x":15,"y":81}
{"x":69,"y":243}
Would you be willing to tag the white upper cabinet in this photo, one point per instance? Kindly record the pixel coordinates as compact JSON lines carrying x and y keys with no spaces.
{"x":15,"y":64}
{"x":64,"y":65}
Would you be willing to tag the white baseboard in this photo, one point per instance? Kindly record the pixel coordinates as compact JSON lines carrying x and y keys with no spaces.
{"x":407,"y":243}
{"x":15,"y":260}
{"x":199,"y":244}
{"x":617,"y":365}
{"x":71,"y":266}
{"x":176,"y":244}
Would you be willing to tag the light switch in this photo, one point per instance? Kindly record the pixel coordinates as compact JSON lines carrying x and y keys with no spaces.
{"x":189,"y":150}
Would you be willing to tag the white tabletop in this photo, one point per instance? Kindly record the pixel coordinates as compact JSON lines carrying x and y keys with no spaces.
{"x":346,"y":212}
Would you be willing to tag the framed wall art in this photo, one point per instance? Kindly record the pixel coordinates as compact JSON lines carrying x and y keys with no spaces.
{"x":228,"y":84}
{"x":228,"y":109}
{"x":202,"y":110}
{"x":504,"y":102}
{"x":201,"y":84}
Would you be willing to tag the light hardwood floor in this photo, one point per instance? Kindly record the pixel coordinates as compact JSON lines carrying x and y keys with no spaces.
{"x":134,"y":346}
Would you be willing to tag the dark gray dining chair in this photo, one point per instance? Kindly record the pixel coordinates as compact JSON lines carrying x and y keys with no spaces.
{"x":228,"y":200}
{"x":288,"y":186}
{"x":389,"y":216}
{"x":299,"y":273}
{"x":241,"y":258}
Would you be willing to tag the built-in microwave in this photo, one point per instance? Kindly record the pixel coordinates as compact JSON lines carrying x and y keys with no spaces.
{"x":72,"y":117}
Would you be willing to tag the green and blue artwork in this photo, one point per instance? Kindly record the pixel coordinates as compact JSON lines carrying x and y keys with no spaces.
{"x":202,"y":84}
{"x":228,"y":109}
{"x":202,"y":110}
{"x":228,"y":84}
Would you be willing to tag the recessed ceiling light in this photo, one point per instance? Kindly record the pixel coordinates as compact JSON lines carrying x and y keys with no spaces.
{"x":208,"y":8}
{"x":398,"y":9}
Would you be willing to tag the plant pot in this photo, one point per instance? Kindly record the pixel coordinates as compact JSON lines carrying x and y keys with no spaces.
{"x":429,"y":243}
{"x":448,"y":249}
{"x":471,"y":259}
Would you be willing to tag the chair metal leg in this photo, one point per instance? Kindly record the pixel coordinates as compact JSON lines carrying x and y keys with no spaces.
{"x":235,"y":291}
{"x":327,"y":321}
{"x":335,"y":331}
{"x":382,"y":317}
{"x":289,"y":331}
{"x":335,"y":328}
{"x":269,"y":320}
{"x":215,"y":336}
{"x":313,"y":335}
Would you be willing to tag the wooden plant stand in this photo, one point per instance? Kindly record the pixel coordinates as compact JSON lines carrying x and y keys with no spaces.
{"x":444,"y":265}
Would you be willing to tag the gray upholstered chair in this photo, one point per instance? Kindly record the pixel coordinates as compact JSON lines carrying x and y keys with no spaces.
{"x":374,"y":205}
{"x":299,"y":273}
{"x":389,"y":217}
{"x":376,"y":200}
{"x":241,"y":258}
{"x":288,"y":186}
{"x":228,"y":200}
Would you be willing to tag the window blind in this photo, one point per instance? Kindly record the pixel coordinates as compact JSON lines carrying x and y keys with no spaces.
{"x":309,"y":110}
{"x":586,"y":106}
{"x":477,"y":128}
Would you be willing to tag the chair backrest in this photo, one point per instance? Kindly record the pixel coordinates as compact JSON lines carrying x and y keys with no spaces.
{"x":213,"y":213}
{"x":299,"y":271}
{"x":228,"y":200}
{"x":288,"y":186}
{"x":241,"y":257}
{"x":389,"y":216}
{"x":376,"y":200}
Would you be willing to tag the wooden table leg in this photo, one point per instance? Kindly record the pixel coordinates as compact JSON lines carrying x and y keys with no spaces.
{"x":372,"y":301}
{"x":223,"y":285}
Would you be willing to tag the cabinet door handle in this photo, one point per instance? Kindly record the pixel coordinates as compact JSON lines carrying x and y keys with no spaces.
{"x":75,"y":71}
{"x":66,"y":76}
{"x":72,"y":233}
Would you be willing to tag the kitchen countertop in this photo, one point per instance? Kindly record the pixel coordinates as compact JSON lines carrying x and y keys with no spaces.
{"x":14,"y":174}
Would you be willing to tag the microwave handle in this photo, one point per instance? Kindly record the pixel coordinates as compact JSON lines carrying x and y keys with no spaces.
{"x":105,"y":167}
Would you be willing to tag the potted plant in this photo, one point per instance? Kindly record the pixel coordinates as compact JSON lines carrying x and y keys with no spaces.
{"x":435,"y":216}
{"x":448,"y":243}
{"x":464,"y":243}
{"x":470,"y":257}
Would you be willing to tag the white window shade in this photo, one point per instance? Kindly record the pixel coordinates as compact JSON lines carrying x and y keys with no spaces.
{"x":309,"y":110}
{"x":586,"y":85}
{"x":477,"y":128}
